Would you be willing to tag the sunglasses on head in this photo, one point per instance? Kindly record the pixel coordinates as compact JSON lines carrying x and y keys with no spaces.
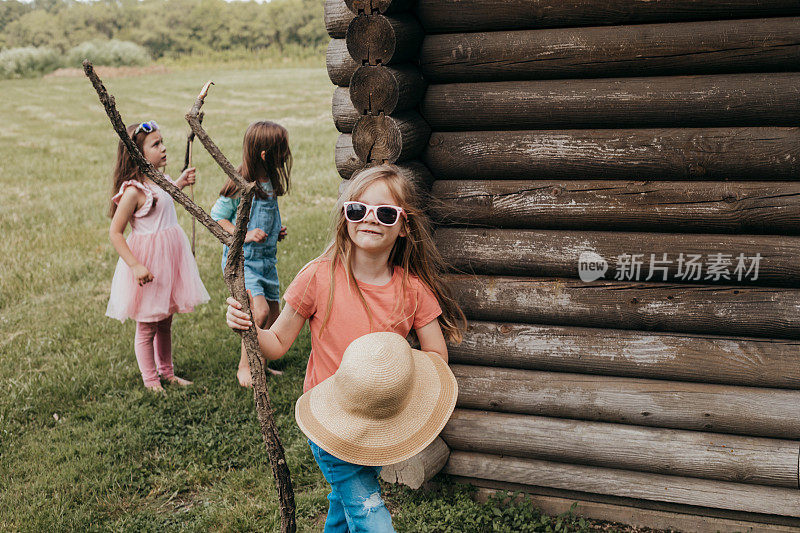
{"x":148,"y":127}
{"x":388,"y":215}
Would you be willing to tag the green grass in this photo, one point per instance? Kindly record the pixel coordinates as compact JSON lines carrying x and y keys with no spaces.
{"x":83,"y":447}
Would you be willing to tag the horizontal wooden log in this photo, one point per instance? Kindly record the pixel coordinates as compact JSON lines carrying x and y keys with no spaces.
{"x":696,"y":454}
{"x":643,"y":402}
{"x":416,"y":471}
{"x":378,"y":90}
{"x":381,"y":40}
{"x":770,"y":260}
{"x":754,"y":99}
{"x":339,"y":63}
{"x":704,"y":206}
{"x":647,"y":154}
{"x":600,"y":480}
{"x":379,"y":6}
{"x":347,"y":162}
{"x":642,"y":514}
{"x":447,"y":16}
{"x":388,"y":139}
{"x":337,"y":18}
{"x":416,"y":173}
{"x":345,"y":115}
{"x":413,"y":171}
{"x":757,"y":45}
{"x":717,"y":309}
{"x":745,"y":361}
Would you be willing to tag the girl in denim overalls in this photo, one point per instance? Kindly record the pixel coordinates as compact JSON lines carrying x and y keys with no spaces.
{"x":266,"y":159}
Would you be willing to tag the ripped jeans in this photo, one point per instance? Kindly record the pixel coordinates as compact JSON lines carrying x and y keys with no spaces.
{"x":355,"y":503}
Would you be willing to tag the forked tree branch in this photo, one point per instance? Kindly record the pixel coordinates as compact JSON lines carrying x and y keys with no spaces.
{"x":193,"y":118}
{"x":234,"y":277}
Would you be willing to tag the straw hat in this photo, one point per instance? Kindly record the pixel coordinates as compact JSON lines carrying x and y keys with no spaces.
{"x":384,"y":404}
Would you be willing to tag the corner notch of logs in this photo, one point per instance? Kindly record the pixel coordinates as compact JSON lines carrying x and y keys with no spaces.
{"x":376,"y":59}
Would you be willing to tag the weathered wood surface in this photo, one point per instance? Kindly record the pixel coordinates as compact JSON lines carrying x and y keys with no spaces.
{"x":386,"y":90}
{"x":688,"y":308}
{"x":388,"y":139}
{"x":347,"y":161}
{"x":647,"y":515}
{"x":744,"y":361}
{"x":756,"y":45}
{"x":735,"y":458}
{"x":631,"y":154}
{"x":379,"y":6}
{"x":754,"y":99}
{"x":416,"y":173}
{"x":770,"y":260}
{"x":377,"y":39}
{"x":712,"y":207}
{"x":337,"y":18}
{"x":643,"y":402}
{"x":600,"y":480}
{"x":339,"y":63}
{"x":345,"y":115}
{"x":448,"y":16}
{"x":416,"y":471}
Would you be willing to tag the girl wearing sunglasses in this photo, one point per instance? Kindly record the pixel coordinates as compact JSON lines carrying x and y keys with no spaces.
{"x":156,"y":274}
{"x":380,"y":272}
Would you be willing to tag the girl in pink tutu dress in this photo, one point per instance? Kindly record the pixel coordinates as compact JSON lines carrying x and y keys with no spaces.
{"x":156,"y":275}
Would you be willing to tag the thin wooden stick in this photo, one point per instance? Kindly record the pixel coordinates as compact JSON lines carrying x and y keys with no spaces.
{"x":234,"y":279}
{"x":186,"y":164}
{"x":234,"y":276}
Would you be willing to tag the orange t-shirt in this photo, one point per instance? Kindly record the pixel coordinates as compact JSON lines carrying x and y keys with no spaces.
{"x":348,"y":320}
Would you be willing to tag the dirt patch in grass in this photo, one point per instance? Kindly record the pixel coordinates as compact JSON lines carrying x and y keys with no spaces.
{"x":110,"y":72}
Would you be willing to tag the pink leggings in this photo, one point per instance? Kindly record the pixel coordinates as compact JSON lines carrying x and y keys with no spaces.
{"x":153,"y":347}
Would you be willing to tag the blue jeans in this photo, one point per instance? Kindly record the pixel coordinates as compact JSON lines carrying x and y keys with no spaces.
{"x":355,"y":503}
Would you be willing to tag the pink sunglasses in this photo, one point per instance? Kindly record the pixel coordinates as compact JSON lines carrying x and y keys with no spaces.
{"x":388,"y":215}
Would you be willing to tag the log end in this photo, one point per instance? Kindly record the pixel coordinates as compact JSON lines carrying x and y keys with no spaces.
{"x":377,"y":139}
{"x":414,"y":472}
{"x":373,"y":90}
{"x":371,"y":40}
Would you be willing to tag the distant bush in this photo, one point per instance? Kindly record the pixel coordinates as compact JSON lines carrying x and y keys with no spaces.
{"x":111,"y":53}
{"x":28,"y":61}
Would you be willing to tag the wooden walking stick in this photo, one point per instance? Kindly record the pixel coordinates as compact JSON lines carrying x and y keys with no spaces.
{"x":234,"y":275}
{"x":187,"y":162}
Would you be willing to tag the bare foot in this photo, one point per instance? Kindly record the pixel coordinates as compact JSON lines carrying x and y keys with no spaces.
{"x":175,"y":380}
{"x":274,"y":372}
{"x":244,"y":377}
{"x":155,"y":388}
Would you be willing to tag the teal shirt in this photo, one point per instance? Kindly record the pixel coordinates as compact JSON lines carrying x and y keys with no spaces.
{"x":225,"y":207}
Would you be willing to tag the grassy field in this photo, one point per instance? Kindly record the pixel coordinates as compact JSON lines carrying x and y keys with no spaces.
{"x":83,"y":447}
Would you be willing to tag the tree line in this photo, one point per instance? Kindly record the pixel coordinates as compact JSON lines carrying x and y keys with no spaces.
{"x":164,"y":27}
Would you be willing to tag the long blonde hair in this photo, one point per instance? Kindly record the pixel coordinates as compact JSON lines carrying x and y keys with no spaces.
{"x":415,"y":253}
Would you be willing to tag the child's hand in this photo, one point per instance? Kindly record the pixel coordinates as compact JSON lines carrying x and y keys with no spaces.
{"x":234,"y":317}
{"x":282,"y":233}
{"x":141,"y":274}
{"x":255,"y":235}
{"x":187,"y":178}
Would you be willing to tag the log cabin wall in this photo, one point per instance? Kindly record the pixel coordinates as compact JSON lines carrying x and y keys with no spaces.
{"x":659,"y":139}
